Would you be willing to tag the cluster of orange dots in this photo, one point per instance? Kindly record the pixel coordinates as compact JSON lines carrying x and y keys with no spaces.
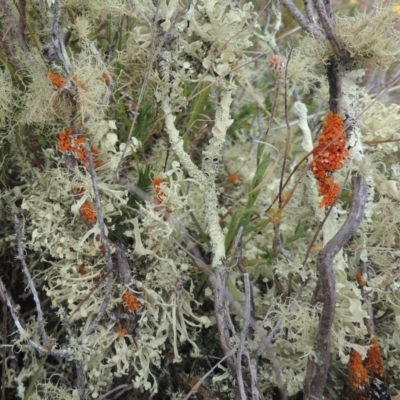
{"x":235,"y":178}
{"x":130,"y":302}
{"x":157,"y":183}
{"x":121,"y":331}
{"x":57,"y":80}
{"x":67,"y":142}
{"x":88,"y":213}
{"x":60,"y":81}
{"x":360,"y":279}
{"x":160,"y":195}
{"x":328,"y":157}
{"x":82,"y":269}
{"x":361,"y":372}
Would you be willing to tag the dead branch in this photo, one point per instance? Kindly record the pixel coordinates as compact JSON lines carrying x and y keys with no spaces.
{"x":317,"y":368}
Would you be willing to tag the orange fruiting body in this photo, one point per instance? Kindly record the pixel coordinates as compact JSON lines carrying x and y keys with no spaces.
{"x":88,"y":213}
{"x":82,"y":269}
{"x":76,"y":145}
{"x":358,"y":373}
{"x":157,"y":183}
{"x":57,"y":80}
{"x":235,"y":178}
{"x":360,"y":279}
{"x":328,"y":157}
{"x":374,"y":362}
{"x":121,"y":331}
{"x":130,"y":302}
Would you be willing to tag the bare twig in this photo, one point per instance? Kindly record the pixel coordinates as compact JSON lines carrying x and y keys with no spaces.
{"x":246,"y":324}
{"x":31,"y":284}
{"x":20,"y":325}
{"x":4,"y":349}
{"x":122,"y":388}
{"x":204,"y":377}
{"x":312,"y":29}
{"x":317,"y":368}
{"x":104,"y":242}
{"x":58,"y":41}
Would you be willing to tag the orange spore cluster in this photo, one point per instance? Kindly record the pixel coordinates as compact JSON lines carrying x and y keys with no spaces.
{"x":374,"y":362}
{"x":160,"y":195}
{"x":328,"y":157}
{"x":235,"y":178}
{"x":130,"y":302}
{"x":57,"y":80}
{"x":121,"y":331}
{"x":88,"y":213}
{"x":67,"y":142}
{"x":82,"y":269}
{"x":359,"y":378}
{"x":360,"y":279}
{"x":157,"y":183}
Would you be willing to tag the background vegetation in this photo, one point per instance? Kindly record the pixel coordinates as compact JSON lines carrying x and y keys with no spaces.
{"x":199,"y":199}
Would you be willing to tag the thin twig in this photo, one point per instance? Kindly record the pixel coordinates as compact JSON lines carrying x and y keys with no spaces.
{"x":20,"y":325}
{"x":31,"y":284}
{"x":104,"y":242}
{"x":58,"y":41}
{"x":312,"y":29}
{"x":317,"y":368}
{"x":123,"y":388}
{"x":204,"y":377}
{"x":289,"y":132}
{"x":246,"y":324}
{"x":4,"y":350}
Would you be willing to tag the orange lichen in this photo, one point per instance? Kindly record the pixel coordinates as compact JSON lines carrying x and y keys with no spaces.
{"x":360,"y":279}
{"x":88,"y":213}
{"x":121,"y":331}
{"x":157,"y":183}
{"x":130,"y":302}
{"x":82,"y":269}
{"x":160,"y":195}
{"x":57,"y":80}
{"x":328,"y":157}
{"x":374,"y":362}
{"x":359,"y":379}
{"x":235,"y":178}
{"x":65,"y":140}
{"x":76,"y":145}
